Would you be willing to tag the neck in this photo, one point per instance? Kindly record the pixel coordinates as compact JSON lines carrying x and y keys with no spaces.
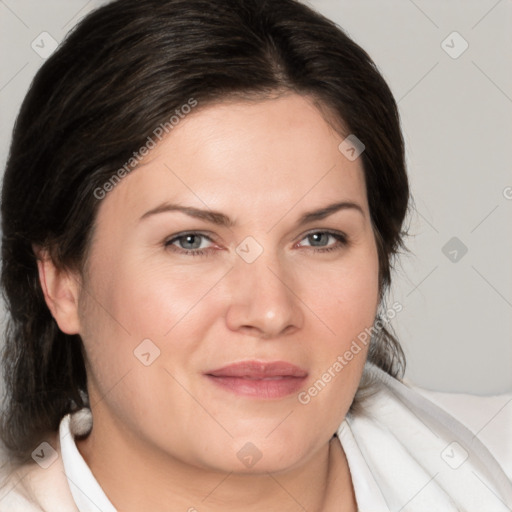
{"x":137,"y":477}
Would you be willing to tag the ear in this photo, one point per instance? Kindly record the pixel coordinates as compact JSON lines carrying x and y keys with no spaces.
{"x":61,"y":289}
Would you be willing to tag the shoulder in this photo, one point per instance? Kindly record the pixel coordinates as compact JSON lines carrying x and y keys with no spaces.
{"x":413,"y":443}
{"x":39,"y":484}
{"x":488,"y":417}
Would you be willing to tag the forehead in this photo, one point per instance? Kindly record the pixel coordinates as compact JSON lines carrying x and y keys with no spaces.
{"x":257,"y":157}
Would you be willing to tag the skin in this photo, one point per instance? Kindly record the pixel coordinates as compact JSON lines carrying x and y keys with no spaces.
{"x":164,"y":436}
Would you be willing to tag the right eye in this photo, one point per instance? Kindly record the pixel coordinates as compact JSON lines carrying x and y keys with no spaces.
{"x":189,"y":244}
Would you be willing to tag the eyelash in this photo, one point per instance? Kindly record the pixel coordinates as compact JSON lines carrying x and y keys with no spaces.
{"x":340,"y":237}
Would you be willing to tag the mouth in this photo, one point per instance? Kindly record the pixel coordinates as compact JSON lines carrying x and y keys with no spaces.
{"x":266,"y":380}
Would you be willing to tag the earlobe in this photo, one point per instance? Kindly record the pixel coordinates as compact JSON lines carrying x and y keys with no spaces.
{"x":61,"y":291}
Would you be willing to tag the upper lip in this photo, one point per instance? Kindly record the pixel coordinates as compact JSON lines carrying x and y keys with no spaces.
{"x":259,"y":370}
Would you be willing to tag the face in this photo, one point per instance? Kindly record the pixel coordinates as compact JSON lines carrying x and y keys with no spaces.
{"x":219,"y":289}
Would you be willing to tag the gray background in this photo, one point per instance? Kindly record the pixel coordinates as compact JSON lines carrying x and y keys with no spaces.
{"x":456,"y":111}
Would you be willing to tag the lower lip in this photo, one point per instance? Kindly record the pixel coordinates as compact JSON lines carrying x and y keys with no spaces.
{"x":278,"y":387}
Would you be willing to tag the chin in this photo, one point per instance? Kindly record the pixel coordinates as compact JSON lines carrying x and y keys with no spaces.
{"x":258,"y":455}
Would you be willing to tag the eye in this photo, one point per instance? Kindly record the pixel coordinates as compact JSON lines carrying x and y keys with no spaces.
{"x":189,"y":244}
{"x":196,"y":244}
{"x":319,"y":240}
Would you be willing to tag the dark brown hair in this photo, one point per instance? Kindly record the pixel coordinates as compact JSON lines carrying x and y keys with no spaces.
{"x":120,"y":73}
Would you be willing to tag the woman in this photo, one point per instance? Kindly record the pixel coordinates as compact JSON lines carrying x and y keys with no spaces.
{"x":201,"y":207}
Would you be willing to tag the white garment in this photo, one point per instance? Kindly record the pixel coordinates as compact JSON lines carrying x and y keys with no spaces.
{"x":421,"y":458}
{"x":404,"y":453}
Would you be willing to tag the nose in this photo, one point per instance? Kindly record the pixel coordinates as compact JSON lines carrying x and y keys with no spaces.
{"x":265,"y":299}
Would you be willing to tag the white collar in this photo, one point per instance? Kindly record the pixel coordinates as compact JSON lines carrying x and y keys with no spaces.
{"x":86,"y":491}
{"x":368,"y":493}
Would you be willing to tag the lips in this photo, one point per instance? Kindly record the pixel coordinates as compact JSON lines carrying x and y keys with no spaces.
{"x":267,"y":380}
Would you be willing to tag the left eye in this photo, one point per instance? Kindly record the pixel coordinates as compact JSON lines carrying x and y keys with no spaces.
{"x":319,"y":240}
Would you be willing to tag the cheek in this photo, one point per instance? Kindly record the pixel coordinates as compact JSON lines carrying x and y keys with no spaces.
{"x":149,"y":299}
{"x":136,"y":309}
{"x":345,"y":297}
{"x":347,"y":307}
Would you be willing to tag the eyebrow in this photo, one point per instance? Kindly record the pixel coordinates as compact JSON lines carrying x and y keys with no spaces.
{"x":220,"y":219}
